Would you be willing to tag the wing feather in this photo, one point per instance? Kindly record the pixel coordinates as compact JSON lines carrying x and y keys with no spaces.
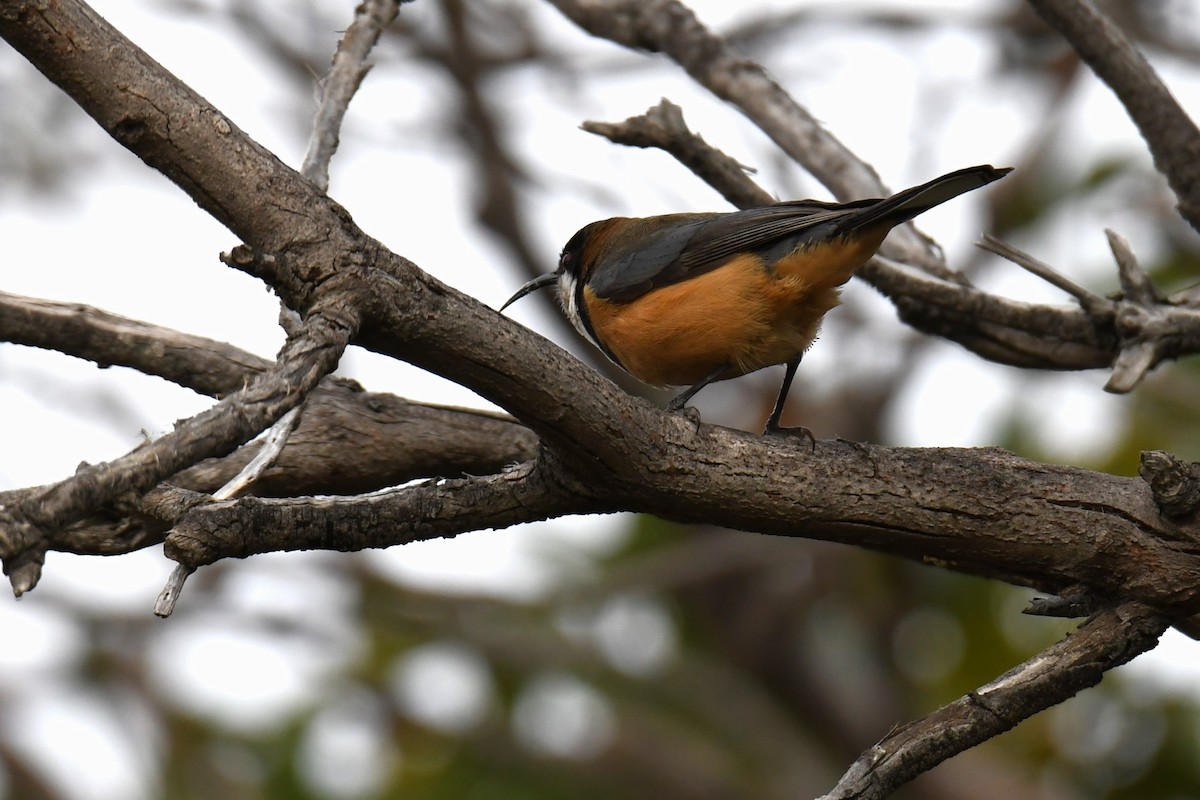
{"x":682,"y":246}
{"x":659,"y":251}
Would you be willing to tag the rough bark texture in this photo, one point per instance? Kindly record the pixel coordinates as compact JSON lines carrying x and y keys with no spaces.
{"x":584,"y":446}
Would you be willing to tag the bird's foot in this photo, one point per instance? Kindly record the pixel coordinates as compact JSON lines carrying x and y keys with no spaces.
{"x":773,"y":428}
{"x":690,"y":413}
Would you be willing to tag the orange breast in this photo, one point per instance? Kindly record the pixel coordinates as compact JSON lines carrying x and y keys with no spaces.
{"x":745,"y":314}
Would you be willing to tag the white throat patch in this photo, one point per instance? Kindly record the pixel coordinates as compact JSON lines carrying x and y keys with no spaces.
{"x":567,"y":299}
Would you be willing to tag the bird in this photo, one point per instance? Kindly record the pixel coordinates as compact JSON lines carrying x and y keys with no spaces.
{"x":693,"y":298}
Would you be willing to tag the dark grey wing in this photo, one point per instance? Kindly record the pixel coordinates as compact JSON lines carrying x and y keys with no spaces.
{"x":636,"y":266}
{"x":670,"y":249}
{"x":770,"y":231}
{"x":692,"y":244}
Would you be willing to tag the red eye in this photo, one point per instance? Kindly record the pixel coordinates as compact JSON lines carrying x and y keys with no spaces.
{"x":564,"y":260}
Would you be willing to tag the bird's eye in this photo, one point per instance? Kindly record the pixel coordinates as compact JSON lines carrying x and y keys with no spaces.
{"x":565,"y":259}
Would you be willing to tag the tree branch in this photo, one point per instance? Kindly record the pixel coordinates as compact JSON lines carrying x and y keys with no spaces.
{"x":978,"y":511}
{"x":983,"y":512}
{"x":663,"y":127}
{"x":665,"y":465}
{"x":1108,"y":639}
{"x":394,"y":440}
{"x":1170,"y":134}
{"x":30,"y":518}
{"x":339,"y":85}
{"x":203,"y":365}
{"x":204,"y":531}
{"x":175,"y":131}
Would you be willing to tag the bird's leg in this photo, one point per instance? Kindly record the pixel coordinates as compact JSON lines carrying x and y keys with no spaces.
{"x":682,"y":400}
{"x":772,"y":426}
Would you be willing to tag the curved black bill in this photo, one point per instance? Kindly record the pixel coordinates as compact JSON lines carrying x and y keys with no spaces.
{"x":540,"y":282}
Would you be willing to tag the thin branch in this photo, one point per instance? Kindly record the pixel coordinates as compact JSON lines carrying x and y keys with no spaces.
{"x":337,"y":89}
{"x":1089,"y":300}
{"x":663,"y":127}
{"x":1135,"y":281}
{"x":164,"y":606}
{"x":272,"y":446}
{"x":349,"y":68}
{"x":1108,"y":639}
{"x":1170,"y":134}
{"x":1149,"y":327}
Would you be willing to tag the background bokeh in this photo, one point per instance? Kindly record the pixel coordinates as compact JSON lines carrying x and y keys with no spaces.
{"x":615,"y":656}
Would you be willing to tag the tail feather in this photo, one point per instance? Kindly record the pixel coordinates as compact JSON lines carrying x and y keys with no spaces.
{"x":907,"y":204}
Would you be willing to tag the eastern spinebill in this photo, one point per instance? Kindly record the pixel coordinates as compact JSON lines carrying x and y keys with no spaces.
{"x":689,"y":299}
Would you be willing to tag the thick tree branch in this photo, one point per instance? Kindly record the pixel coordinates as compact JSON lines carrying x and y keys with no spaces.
{"x":1108,"y":639}
{"x":984,"y":512}
{"x":30,"y":518}
{"x":305,"y":246}
{"x":206,"y":531}
{"x":177,"y":132}
{"x":204,"y":365}
{"x":1170,"y":134}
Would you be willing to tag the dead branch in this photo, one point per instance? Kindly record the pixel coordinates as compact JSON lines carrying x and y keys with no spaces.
{"x":1108,"y":639}
{"x":1170,"y":133}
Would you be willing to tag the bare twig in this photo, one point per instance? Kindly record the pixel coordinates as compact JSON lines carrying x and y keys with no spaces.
{"x":1149,"y":327}
{"x":349,"y":68}
{"x":1089,"y":300}
{"x":272,"y":445}
{"x":1135,"y":281}
{"x":336,"y":90}
{"x":1108,"y":639}
{"x":164,"y":606}
{"x":662,"y":127}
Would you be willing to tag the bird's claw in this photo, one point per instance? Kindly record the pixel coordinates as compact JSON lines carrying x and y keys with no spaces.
{"x":775,"y":429}
{"x":690,"y":413}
